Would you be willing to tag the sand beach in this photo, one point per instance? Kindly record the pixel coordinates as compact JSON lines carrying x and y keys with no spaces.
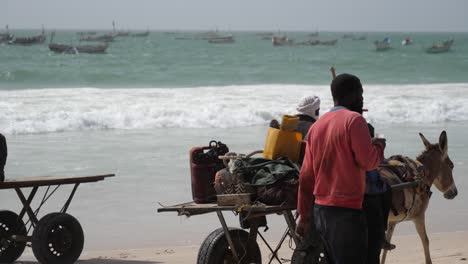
{"x":446,"y":248}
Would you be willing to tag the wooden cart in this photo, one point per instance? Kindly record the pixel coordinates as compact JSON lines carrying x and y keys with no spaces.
{"x":234,"y":245}
{"x":55,"y":238}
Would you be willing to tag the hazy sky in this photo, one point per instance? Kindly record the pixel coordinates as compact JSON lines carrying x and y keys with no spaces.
{"x":309,"y":15}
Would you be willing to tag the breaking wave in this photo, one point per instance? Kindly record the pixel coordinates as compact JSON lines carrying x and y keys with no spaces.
{"x":75,"y":109}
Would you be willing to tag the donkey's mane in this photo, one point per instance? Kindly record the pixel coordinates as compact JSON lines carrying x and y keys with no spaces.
{"x":425,"y":154}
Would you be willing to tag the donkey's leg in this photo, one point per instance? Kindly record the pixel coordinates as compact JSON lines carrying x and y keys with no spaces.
{"x":391,"y":228}
{"x":420,"y":224}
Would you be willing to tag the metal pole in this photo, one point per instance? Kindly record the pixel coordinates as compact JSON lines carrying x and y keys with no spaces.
{"x":228,"y":235}
{"x":26,"y":204}
{"x":67,"y":203}
{"x":292,"y":225}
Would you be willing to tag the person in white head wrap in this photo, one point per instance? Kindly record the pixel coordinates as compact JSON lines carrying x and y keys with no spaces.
{"x":308,"y":111}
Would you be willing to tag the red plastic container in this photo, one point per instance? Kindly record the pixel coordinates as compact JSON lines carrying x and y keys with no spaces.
{"x":203,"y":171}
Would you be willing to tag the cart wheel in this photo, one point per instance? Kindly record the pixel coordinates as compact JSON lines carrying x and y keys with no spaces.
{"x":10,"y":225}
{"x":215,"y":248}
{"x":57,"y":239}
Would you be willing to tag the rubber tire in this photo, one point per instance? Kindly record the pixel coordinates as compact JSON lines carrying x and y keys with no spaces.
{"x":15,"y":226}
{"x":215,"y":248}
{"x":43,"y":247}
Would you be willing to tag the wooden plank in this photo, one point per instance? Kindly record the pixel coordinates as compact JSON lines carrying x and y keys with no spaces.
{"x":50,"y":180}
{"x":191,"y":208}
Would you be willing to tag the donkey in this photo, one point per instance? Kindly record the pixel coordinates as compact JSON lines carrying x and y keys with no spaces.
{"x":411,"y":203}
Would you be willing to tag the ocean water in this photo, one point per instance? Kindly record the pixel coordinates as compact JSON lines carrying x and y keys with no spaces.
{"x":137,"y":110}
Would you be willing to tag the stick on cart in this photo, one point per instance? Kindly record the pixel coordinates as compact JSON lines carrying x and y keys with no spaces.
{"x":55,"y":238}
{"x":234,"y":245}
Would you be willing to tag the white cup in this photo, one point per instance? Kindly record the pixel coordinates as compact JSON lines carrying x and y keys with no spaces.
{"x":378,"y":135}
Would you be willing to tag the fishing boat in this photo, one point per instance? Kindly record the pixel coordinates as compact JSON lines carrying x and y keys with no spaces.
{"x":382,"y":45}
{"x":313,"y":35}
{"x":122,"y":34}
{"x":184,"y":38}
{"x":222,"y":40}
{"x":5,"y":37}
{"x":281,"y":41}
{"x":76,"y":49}
{"x":308,"y":43}
{"x":359,"y":38}
{"x":141,"y":34}
{"x":72,"y":49}
{"x":329,"y":42}
{"x":440,"y":47}
{"x":26,"y":41}
{"x":39,"y":39}
{"x":106,"y":38}
{"x":407,"y":42}
{"x":86,"y":33}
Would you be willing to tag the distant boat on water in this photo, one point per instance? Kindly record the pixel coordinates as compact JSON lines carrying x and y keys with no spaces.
{"x":281,"y":41}
{"x":6,"y":37}
{"x":72,"y":49}
{"x":81,"y":33}
{"x":359,"y":38}
{"x":122,"y":34}
{"x":382,"y":45}
{"x":105,"y":38}
{"x":222,"y":40}
{"x":329,"y":42}
{"x":76,"y":49}
{"x":440,"y":47}
{"x":407,"y":42}
{"x":26,"y":41}
{"x":143,"y":34}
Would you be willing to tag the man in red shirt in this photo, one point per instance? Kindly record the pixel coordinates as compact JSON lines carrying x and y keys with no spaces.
{"x":332,"y":180}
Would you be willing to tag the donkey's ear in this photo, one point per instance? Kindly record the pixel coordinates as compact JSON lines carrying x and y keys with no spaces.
{"x":425,"y":141}
{"x":443,"y":142}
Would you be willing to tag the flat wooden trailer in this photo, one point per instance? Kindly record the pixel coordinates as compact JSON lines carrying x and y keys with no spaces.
{"x":57,"y":238}
{"x":235,"y":245}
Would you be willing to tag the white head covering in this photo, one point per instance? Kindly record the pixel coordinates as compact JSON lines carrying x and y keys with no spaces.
{"x":308,"y":106}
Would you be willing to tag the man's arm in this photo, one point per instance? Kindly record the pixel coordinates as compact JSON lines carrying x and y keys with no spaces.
{"x":306,"y":183}
{"x":367,"y":154}
{"x":305,"y":197}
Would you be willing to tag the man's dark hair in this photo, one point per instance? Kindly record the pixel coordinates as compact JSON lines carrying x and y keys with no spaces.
{"x":344,"y":85}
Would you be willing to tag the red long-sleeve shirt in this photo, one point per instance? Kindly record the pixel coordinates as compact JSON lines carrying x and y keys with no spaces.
{"x":339,"y":151}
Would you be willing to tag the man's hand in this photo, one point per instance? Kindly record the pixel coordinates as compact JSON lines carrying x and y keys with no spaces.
{"x":302,"y":226}
{"x":380,"y":141}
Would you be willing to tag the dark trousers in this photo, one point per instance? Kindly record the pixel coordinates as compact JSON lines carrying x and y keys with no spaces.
{"x":344,"y":233}
{"x":376,"y":207}
{"x":372,"y":207}
{"x":3,"y":156}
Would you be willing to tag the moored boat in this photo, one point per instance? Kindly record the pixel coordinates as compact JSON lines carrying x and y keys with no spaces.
{"x":329,"y":42}
{"x":222,"y":40}
{"x":106,"y":38}
{"x":382,"y":45}
{"x":407,"y":42}
{"x":359,"y":37}
{"x":26,"y":41}
{"x":71,"y":49}
{"x":440,"y":47}
{"x":141,"y":34}
{"x":281,"y":41}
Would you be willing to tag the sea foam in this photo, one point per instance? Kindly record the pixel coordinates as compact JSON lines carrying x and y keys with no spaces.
{"x":74,"y":109}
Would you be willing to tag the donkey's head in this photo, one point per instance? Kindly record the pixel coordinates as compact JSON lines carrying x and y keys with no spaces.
{"x":435,"y":158}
